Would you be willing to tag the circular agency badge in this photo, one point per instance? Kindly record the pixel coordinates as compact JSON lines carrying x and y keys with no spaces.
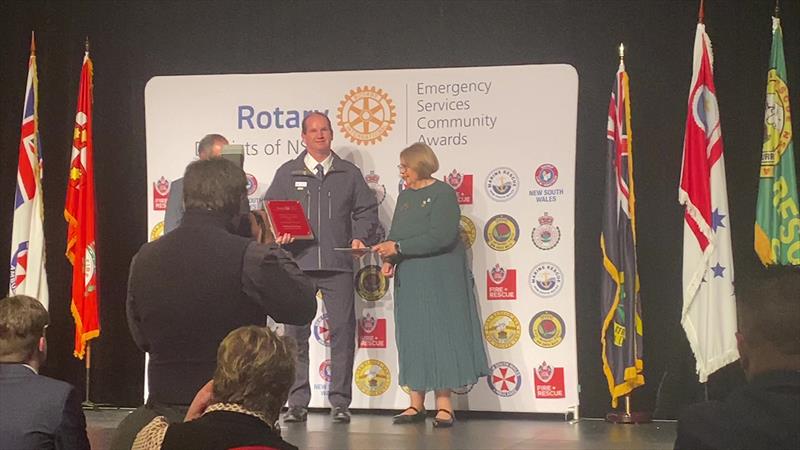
{"x":504,"y":379}
{"x":371,"y":285}
{"x":546,"y":235}
{"x":467,"y":231}
{"x":325,"y":371}
{"x":322,"y":333}
{"x":157,"y":231}
{"x":366,"y":115}
{"x":502,"y":329}
{"x":252,"y":184}
{"x":501,"y":232}
{"x":502,"y":184}
{"x":546,"y":279}
{"x":372,"y":377}
{"x":374,"y":183}
{"x":547,"y":329}
{"x":546,"y":175}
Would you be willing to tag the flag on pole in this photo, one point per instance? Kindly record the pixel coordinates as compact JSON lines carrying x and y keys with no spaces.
{"x":621,"y":336}
{"x":777,"y":229}
{"x":79,"y":212}
{"x":27,"y":272}
{"x":709,"y":304}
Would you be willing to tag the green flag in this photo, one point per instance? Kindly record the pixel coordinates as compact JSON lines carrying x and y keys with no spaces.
{"x":777,"y":230}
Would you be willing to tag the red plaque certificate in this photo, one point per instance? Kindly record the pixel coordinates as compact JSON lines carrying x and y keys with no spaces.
{"x":287,"y":216}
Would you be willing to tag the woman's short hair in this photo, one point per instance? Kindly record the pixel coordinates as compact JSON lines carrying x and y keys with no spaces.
{"x":214,"y":184}
{"x":421,"y":159}
{"x":23,"y":320}
{"x":255,"y":369}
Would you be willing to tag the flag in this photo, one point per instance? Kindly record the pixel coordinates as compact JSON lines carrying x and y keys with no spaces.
{"x":621,"y":336}
{"x":27,"y":272}
{"x":709,"y":304}
{"x":777,"y":229}
{"x":79,"y":211}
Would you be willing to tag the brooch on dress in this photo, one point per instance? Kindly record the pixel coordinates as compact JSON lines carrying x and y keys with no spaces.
{"x":426,"y":202}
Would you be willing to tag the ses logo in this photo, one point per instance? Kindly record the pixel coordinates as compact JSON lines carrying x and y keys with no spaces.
{"x":462,"y":183}
{"x":546,"y":235}
{"x":501,"y":283}
{"x":546,"y":175}
{"x":371,"y":332}
{"x":504,"y":379}
{"x":548,"y":381}
{"x":322,"y":333}
{"x":160,"y":194}
{"x":546,"y":279}
{"x":502,"y":184}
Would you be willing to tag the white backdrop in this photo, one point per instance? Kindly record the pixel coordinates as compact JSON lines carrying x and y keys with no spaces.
{"x":505,"y":137}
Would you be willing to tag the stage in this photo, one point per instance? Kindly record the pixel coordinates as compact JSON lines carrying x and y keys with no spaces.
{"x":369,"y":430}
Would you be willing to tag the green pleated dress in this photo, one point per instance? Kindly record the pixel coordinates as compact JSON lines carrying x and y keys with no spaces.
{"x":438,"y":330}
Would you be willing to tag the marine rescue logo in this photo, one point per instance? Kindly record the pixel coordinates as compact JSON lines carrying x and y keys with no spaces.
{"x":502,"y":329}
{"x":548,"y":381}
{"x":777,"y":124}
{"x":546,"y":279}
{"x":373,"y":181}
{"x":19,"y":266}
{"x":501,"y":283}
{"x":160,"y":194}
{"x":371,"y":285}
{"x":366,"y":115}
{"x":546,"y":235}
{"x":371,"y":332}
{"x":501,"y":232}
{"x":547,"y":329}
{"x":502,"y":184}
{"x":372,"y":377}
{"x":546,"y":175}
{"x":157,"y":231}
{"x":252,"y":184}
{"x":504,"y":379}
{"x":467,"y":231}
{"x":462,"y":184}
{"x":325,"y":371}
{"x":322,"y":333}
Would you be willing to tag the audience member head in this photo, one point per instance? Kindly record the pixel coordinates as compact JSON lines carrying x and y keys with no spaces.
{"x":255,"y":369}
{"x":768,"y":310}
{"x":214,"y":185}
{"x":211,"y":146}
{"x":420,"y":158}
{"x":23,"y":321}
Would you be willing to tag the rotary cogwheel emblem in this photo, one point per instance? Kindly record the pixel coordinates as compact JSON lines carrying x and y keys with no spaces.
{"x":366,"y":115}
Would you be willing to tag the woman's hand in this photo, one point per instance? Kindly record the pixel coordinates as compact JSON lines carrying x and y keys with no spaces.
{"x":385,"y":249}
{"x":387,"y":269}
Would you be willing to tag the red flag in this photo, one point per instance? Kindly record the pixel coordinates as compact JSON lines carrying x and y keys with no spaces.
{"x":79,"y":211}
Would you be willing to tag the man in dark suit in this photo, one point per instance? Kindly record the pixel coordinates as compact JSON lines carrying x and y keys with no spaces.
{"x":765,"y":413}
{"x":36,"y":412}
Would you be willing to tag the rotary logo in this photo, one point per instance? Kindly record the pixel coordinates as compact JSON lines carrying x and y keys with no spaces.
{"x":546,"y":235}
{"x":366,"y":115}
{"x":252,"y":184}
{"x":462,"y":184}
{"x":546,"y":279}
{"x":371,"y":285}
{"x":157,"y":231}
{"x":547,"y":329}
{"x":325,"y":371}
{"x":372,"y":377}
{"x":504,"y":379}
{"x":373,"y":181}
{"x":546,"y":175}
{"x":467,"y":231}
{"x":19,"y":267}
{"x":502,"y":184}
{"x":371,"y":332}
{"x":502,"y":329}
{"x":322,"y":333}
{"x":463,"y":390}
{"x":160,"y":194}
{"x":501,"y":283}
{"x":549,"y":381}
{"x":501,"y":232}
{"x":777,"y":124}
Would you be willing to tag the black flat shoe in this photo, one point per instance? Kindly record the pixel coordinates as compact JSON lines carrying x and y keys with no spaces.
{"x":444,"y":423}
{"x":418,"y":416}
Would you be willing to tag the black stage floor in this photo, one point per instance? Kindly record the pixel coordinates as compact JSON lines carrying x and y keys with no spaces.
{"x":375,"y":431}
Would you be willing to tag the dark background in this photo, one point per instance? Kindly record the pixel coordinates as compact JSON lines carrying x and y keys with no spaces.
{"x":134,"y":41}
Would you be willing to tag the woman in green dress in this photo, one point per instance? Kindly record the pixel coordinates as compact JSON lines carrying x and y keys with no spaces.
{"x":437,"y":325}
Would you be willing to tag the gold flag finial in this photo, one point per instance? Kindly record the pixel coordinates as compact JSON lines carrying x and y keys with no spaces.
{"x":86,"y":45}
{"x":700,"y":13}
{"x":33,"y":42}
{"x":621,"y":52}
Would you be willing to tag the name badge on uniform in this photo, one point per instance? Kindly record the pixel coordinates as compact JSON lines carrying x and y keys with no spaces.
{"x":300,"y":185}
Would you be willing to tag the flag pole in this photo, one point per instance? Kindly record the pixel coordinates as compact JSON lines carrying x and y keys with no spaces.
{"x":701,"y":13}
